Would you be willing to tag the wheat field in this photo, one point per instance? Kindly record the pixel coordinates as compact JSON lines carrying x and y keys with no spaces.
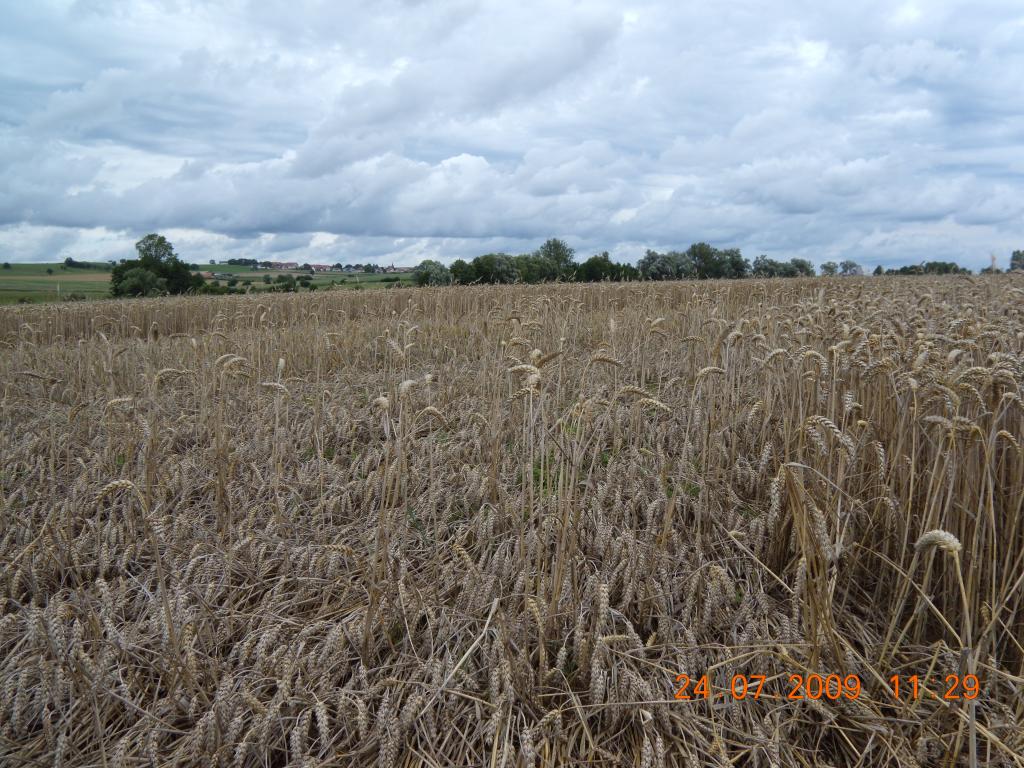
{"x":492,"y":526}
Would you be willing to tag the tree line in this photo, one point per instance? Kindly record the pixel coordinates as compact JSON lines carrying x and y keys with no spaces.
{"x":926,"y":268}
{"x":555,"y":260}
{"x":159,"y":270}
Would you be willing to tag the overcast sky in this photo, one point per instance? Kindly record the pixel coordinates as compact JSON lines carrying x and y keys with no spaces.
{"x":312,"y":130}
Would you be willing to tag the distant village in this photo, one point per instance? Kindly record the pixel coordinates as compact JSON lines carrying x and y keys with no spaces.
{"x":287,"y":265}
{"x":294,"y":266}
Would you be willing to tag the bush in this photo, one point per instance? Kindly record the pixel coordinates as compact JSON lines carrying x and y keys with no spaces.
{"x":284,"y":284}
{"x":138,"y":281}
{"x":214,"y":289}
{"x":73,"y":296}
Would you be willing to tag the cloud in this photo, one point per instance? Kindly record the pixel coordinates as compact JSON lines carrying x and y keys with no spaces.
{"x":397,"y":131}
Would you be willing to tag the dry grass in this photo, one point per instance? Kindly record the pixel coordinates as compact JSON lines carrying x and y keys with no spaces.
{"x":490,"y":526}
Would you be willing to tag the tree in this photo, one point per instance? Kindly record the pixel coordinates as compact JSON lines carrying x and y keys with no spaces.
{"x":462,"y":272}
{"x":7,"y":265}
{"x":706,"y":261}
{"x":1017,"y":261}
{"x":943,"y":268}
{"x":765,"y":267}
{"x":598,"y":268}
{"x":431,"y":272}
{"x":733,"y":265}
{"x":533,"y":268}
{"x":829,"y":269}
{"x":559,"y":257}
{"x":655,"y":266}
{"x":154,"y":249}
{"x":495,"y":268}
{"x":849,"y":268}
{"x":156,"y":254}
{"x":927,"y":268}
{"x":911,"y":269}
{"x":627,"y":272}
{"x":673,"y":265}
{"x":49,"y":270}
{"x":878,"y":271}
{"x":802,"y":267}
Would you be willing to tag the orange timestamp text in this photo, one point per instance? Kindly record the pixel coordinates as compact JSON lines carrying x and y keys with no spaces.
{"x":815,"y":686}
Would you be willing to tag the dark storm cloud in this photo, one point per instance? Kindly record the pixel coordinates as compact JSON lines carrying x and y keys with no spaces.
{"x":399,"y":131}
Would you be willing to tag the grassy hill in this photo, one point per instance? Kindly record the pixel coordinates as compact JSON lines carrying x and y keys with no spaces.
{"x":53,"y":282}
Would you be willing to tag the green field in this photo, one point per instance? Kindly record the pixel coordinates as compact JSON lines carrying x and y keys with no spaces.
{"x":34,"y":283}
